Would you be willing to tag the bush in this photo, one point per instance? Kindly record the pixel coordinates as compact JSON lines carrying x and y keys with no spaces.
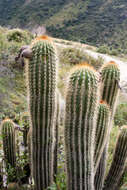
{"x":18,"y":35}
{"x":72,"y":56}
{"x":103,"y":49}
{"x":75,"y":56}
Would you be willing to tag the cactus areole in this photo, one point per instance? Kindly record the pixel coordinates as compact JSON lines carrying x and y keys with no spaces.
{"x":41,"y":75}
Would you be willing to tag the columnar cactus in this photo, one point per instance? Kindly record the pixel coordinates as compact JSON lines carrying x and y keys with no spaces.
{"x":110,"y":89}
{"x":103,"y":119}
{"x":110,"y":74}
{"x":81,"y":106}
{"x":41,"y":74}
{"x":8,"y":136}
{"x":119,"y":161}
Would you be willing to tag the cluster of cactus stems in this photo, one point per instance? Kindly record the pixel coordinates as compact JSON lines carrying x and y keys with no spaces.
{"x":110,"y":75}
{"x":9,"y":147}
{"x":41,"y":75}
{"x":81,"y":105}
{"x":87,"y":124}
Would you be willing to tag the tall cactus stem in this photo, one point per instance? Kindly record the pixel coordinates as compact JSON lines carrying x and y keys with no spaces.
{"x":103,"y":119}
{"x":41,"y":75}
{"x":80,"y":116}
{"x":110,"y":89}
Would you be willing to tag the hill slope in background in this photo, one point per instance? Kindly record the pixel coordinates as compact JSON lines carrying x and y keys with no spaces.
{"x":94,"y":22}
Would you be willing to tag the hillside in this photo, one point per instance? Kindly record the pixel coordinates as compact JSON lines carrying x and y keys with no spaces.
{"x":94,"y":22}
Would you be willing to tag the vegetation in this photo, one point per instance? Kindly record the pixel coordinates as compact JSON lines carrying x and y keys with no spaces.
{"x":82,"y":76}
{"x":94,"y":22}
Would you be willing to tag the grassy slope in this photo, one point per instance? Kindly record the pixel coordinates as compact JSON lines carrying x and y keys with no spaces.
{"x":94,"y":22}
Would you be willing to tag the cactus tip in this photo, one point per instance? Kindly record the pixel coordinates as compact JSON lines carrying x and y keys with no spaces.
{"x":111,"y":63}
{"x":82,"y":65}
{"x":43,"y":37}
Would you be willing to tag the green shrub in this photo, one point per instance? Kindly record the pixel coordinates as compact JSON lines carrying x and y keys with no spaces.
{"x":103,"y":49}
{"x":18,"y":35}
{"x":75,"y":56}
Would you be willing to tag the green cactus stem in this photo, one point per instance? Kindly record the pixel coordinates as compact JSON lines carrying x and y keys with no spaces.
{"x":110,"y":75}
{"x":9,"y":147}
{"x":41,"y":75}
{"x":110,"y":89}
{"x":81,"y":108}
{"x":119,"y":161}
{"x":103,"y":119}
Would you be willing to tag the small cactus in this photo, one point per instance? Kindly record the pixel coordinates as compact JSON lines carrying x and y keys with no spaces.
{"x":9,"y":147}
{"x":41,"y":75}
{"x":119,"y":161}
{"x":81,"y":106}
{"x":103,"y":119}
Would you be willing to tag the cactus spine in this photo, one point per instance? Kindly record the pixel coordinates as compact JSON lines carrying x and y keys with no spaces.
{"x":119,"y":161}
{"x":81,"y":105}
{"x":41,"y":74}
{"x":9,"y":148}
{"x":101,"y":131}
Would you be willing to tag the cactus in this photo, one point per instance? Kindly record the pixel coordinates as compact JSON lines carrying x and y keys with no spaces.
{"x":119,"y":161}
{"x":9,"y":148}
{"x":41,"y":75}
{"x":110,"y":74}
{"x":110,"y":90}
{"x":81,"y":106}
{"x":101,"y":131}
